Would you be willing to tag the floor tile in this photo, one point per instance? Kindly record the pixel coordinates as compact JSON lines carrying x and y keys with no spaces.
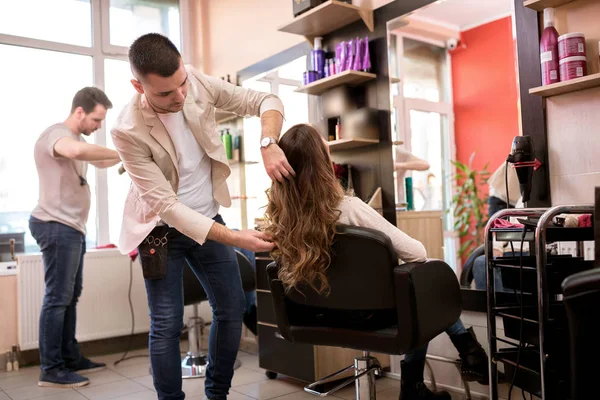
{"x":250,"y":361}
{"x":270,"y":389}
{"x":138,"y":357}
{"x":23,"y":371}
{"x":244,"y":376}
{"x":232,"y":396}
{"x":145,"y":395}
{"x":133,"y":371}
{"x":111,"y":390}
{"x":103,"y":377}
{"x":382,"y":384}
{"x":69,"y":395}
{"x":16,"y":381}
{"x":33,"y":392}
{"x":193,"y":387}
{"x":390,"y":394}
{"x":302,"y":396}
{"x":146,"y":381}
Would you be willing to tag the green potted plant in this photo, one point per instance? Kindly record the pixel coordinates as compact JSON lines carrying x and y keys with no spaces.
{"x":469,"y":205}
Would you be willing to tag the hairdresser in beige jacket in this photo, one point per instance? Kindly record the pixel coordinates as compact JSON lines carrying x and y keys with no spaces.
{"x":167,"y":139}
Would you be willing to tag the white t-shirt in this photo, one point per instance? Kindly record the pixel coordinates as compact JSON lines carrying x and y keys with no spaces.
{"x":195,"y":172}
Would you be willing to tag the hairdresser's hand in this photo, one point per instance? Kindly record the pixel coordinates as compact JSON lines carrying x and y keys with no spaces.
{"x":254,"y":241}
{"x":276,"y":163}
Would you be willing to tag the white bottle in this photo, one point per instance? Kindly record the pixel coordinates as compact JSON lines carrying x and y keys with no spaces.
{"x":9,"y":364}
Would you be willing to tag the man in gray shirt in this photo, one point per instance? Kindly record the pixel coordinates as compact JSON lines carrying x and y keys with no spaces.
{"x":58,"y":225}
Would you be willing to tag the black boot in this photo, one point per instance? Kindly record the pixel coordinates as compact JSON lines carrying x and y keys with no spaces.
{"x":250,"y":319}
{"x":474,"y":365}
{"x":412,"y":386}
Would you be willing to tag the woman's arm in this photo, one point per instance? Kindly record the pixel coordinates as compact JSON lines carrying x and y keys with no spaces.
{"x":358,"y":213}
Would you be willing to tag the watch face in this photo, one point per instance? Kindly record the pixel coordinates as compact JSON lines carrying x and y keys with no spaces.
{"x":265,"y":142}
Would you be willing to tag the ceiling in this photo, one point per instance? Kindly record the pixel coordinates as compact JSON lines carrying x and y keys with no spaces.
{"x":464,"y":14}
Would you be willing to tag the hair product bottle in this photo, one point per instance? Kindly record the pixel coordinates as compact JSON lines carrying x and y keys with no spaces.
{"x":549,"y":49}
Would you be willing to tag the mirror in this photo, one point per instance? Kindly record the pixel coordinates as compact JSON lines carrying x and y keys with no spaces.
{"x":453,"y":98}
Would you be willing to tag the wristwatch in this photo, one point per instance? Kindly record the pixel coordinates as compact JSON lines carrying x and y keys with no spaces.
{"x":267,"y":141}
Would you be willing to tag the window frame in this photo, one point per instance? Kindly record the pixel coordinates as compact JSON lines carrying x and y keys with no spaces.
{"x":100,"y":50}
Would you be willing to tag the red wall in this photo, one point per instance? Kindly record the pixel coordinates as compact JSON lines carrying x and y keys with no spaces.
{"x":484,"y":86}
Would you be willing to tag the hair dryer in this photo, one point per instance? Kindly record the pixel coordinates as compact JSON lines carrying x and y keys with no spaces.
{"x":522,"y":155}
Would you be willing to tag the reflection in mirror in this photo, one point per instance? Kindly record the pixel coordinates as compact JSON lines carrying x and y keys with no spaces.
{"x":453,"y":92}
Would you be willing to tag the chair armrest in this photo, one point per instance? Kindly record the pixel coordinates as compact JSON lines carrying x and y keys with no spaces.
{"x":428,"y":301}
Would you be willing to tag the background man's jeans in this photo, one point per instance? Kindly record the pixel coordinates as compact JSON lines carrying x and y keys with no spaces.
{"x":216,"y":267}
{"x":62,"y":249}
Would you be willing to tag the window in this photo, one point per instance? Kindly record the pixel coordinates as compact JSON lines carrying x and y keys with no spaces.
{"x":132,"y":18}
{"x":27,"y":113}
{"x":62,"y":21}
{"x":281,"y":82}
{"x":423,"y":125}
{"x":117,"y":84}
{"x":56,"y":57}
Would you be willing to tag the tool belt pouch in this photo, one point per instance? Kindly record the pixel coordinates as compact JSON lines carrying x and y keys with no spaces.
{"x":153,"y":253}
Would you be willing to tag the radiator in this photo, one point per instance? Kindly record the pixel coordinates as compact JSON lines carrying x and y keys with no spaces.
{"x":103,"y":309}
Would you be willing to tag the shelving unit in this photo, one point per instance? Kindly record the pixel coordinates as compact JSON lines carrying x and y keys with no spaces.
{"x":347,"y":144}
{"x":349,"y":77}
{"x":534,"y":318}
{"x":326,"y":18}
{"x":573,"y":85}
{"x":539,"y":5}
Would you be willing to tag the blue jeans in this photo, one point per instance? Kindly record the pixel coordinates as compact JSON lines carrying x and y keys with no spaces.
{"x":62,"y":249}
{"x":216,"y":267}
{"x":421,"y":353}
{"x":251,"y":295}
{"x":480,"y":273}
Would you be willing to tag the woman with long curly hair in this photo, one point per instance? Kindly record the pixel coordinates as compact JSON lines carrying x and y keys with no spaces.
{"x":301,"y":217}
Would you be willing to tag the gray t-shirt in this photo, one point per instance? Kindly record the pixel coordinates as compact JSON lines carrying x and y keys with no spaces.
{"x":62,"y":196}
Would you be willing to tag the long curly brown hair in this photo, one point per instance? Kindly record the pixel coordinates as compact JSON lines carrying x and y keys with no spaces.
{"x":302,"y":212}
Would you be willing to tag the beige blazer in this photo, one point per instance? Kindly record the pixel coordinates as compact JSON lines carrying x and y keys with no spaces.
{"x":150,"y":159}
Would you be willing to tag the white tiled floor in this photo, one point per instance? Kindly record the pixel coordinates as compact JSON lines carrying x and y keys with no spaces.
{"x":130,"y":380}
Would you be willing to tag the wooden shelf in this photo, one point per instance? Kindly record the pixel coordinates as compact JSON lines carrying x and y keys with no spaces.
{"x":347,"y":144}
{"x":349,"y":77}
{"x":394,"y":80}
{"x":573,"y":85}
{"x":224,"y":116}
{"x":326,"y":18}
{"x":539,"y":5}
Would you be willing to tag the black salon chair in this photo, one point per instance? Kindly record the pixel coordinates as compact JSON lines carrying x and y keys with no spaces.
{"x":364,"y":275}
{"x":194,"y":363}
{"x":581,"y":295}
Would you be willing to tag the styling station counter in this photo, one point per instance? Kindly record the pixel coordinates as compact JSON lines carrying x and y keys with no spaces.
{"x":426,"y":227}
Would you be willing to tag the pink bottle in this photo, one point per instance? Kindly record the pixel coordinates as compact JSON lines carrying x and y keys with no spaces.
{"x":549,"y":49}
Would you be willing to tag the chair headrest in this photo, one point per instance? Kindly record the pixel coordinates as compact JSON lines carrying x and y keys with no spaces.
{"x":362,"y":262}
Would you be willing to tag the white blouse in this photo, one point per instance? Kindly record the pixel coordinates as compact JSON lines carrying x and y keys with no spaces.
{"x":355,"y":212}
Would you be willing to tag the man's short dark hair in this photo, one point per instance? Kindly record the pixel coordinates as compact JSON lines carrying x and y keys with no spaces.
{"x":88,"y":98}
{"x":154,"y":53}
